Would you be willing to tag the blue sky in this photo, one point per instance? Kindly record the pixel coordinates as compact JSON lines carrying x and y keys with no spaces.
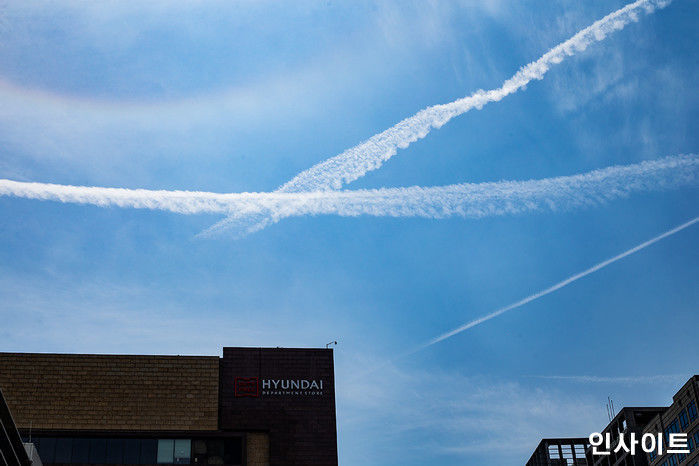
{"x":241,"y":96}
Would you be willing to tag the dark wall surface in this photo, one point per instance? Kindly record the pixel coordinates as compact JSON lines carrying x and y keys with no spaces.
{"x":300,"y":421}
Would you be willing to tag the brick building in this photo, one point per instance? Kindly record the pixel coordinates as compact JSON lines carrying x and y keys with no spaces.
{"x":626,"y":422}
{"x":680,"y":417}
{"x":253,"y":406}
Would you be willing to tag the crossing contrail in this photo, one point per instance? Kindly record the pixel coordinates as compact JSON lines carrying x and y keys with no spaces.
{"x":369,"y":155}
{"x":553,"y":288}
{"x":460,"y":200}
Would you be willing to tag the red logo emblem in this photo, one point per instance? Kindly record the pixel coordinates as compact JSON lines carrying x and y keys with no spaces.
{"x":247,"y":386}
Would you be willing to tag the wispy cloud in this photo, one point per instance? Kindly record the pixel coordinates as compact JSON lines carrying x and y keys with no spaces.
{"x":630,"y":380}
{"x":82,"y":115}
{"x":454,"y":415}
{"x":45,"y":311}
{"x":462,"y":200}
{"x":370,"y":155}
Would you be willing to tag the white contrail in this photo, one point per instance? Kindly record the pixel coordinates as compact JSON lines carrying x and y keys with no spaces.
{"x":355,"y":162}
{"x":461,"y":200}
{"x":553,"y":288}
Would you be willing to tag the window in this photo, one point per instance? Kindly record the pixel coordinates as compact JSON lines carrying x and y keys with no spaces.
{"x":149,"y":451}
{"x":567,"y":452}
{"x":183,"y":451}
{"x":132,"y":451}
{"x":81,"y":450}
{"x":177,"y":451}
{"x":672,"y":428}
{"x":230,"y":451}
{"x":692,"y":410}
{"x":684,"y":422}
{"x":63,"y":448}
{"x":653,"y":455}
{"x":553,"y":452}
{"x":233,"y":450}
{"x":672,"y":460}
{"x":115,"y":451}
{"x":215,"y":451}
{"x":46,"y":447}
{"x":166,"y":451}
{"x":98,"y":450}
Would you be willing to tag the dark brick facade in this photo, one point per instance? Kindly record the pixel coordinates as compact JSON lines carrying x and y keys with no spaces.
{"x":301,"y":426}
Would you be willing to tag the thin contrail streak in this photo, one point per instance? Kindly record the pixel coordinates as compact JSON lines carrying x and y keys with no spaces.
{"x":461,"y":200}
{"x":355,"y":162}
{"x":555,"y":287}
